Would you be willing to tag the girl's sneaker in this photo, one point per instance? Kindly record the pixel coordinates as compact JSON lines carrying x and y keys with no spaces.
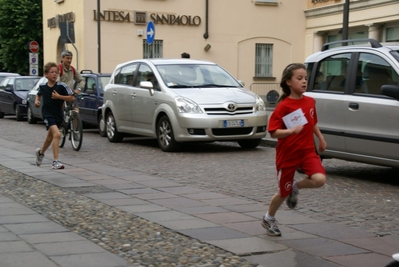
{"x":271,"y":227}
{"x":292,"y":199}
{"x":57,"y":165}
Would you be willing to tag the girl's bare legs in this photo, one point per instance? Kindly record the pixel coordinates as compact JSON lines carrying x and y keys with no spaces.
{"x":276,"y":202}
{"x":315,"y":181}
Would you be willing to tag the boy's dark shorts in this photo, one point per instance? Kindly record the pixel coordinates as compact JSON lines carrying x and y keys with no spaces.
{"x":50,"y":121}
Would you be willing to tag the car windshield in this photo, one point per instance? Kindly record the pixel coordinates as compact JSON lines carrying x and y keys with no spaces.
{"x":196,"y":75}
{"x":25,"y":84}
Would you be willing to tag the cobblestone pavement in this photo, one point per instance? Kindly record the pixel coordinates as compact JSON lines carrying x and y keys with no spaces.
{"x":356,"y":195}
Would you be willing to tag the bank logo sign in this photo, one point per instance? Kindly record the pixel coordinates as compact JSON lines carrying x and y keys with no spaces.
{"x":140,"y":18}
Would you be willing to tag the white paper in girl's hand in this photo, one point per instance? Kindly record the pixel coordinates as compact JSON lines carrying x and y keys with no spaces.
{"x":295,"y":118}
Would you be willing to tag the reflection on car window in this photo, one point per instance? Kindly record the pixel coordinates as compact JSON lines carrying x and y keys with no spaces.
{"x":191,"y":75}
{"x":331,"y":73}
{"x":90,"y":87}
{"x":126,"y":75}
{"x":376,"y":72}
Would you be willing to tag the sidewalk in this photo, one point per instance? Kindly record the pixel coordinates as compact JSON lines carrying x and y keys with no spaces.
{"x":230,"y":223}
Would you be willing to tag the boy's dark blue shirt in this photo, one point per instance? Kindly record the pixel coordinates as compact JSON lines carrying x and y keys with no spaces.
{"x":53,"y":107}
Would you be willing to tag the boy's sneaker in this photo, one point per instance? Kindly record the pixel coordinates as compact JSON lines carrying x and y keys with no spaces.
{"x":292,"y":199}
{"x":271,"y":227}
{"x":57,"y":165}
{"x":39,"y":157}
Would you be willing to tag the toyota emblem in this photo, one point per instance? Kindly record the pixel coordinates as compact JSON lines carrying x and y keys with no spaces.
{"x":231,"y":106}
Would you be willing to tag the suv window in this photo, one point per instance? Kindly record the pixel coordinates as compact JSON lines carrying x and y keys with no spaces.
{"x":332,"y":72}
{"x":90,"y":86}
{"x":375,"y":72}
{"x":145,"y":73}
{"x":126,"y":75}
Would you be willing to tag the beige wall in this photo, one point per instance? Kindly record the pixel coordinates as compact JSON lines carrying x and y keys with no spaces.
{"x":371,"y":16}
{"x":234,"y":29}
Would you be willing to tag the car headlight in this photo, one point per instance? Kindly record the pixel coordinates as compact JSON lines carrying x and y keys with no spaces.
{"x":185,"y":105}
{"x":260,"y":104}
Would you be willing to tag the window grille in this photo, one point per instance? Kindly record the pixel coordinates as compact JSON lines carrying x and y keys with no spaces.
{"x":264,"y":60}
{"x":155,"y":50}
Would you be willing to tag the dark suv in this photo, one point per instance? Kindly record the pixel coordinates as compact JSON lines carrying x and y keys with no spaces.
{"x":356,"y":89}
{"x":91,"y":99}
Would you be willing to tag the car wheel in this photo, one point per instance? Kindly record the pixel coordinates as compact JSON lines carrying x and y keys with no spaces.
{"x":1,"y":115}
{"x":112,"y":133}
{"x":31,"y":119}
{"x":249,"y":143}
{"x":101,"y":126}
{"x":165,"y":136}
{"x":18,"y":113}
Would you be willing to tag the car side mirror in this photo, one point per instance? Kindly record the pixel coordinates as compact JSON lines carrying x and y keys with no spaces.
{"x":147,"y":85}
{"x":390,"y":90}
{"x":8,"y":88}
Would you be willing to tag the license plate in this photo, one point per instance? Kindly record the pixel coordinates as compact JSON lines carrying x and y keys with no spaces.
{"x":233,"y":123}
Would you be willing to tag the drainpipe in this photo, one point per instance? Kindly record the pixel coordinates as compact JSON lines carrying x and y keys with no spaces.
{"x":206,"y":34}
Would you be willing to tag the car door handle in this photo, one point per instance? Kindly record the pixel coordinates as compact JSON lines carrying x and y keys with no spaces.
{"x":114,"y":92}
{"x":133,"y":95}
{"x":353,"y":106}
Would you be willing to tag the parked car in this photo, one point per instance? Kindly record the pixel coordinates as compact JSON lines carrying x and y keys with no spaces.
{"x":357,"y":101}
{"x":13,"y":93}
{"x":89,"y":101}
{"x":181,"y":100}
{"x":33,"y":113}
{"x":3,"y":75}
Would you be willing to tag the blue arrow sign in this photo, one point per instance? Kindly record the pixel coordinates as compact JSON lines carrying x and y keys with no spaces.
{"x":150,"y":32}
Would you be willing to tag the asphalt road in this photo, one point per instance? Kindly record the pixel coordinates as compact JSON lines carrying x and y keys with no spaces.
{"x":356,"y":195}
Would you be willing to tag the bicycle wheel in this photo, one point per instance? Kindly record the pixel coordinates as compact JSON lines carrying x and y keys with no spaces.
{"x":64,"y":131}
{"x":76,"y":131}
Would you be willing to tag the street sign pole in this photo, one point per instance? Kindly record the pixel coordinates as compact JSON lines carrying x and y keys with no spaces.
{"x":33,"y":58}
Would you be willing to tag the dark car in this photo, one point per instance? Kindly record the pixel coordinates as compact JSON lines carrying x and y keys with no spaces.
{"x":3,"y":75}
{"x":13,"y":93}
{"x":90,"y":100}
{"x":34,"y":114}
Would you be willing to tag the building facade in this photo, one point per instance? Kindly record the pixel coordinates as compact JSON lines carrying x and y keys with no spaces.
{"x":376,"y":19}
{"x":253,"y":39}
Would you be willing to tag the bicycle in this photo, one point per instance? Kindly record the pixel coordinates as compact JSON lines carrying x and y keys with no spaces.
{"x":73,"y":126}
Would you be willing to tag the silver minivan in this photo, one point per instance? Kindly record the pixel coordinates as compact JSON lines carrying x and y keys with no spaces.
{"x":181,"y":100}
{"x":356,"y":89}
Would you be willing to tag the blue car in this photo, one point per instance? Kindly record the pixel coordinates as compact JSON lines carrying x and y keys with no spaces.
{"x":13,"y":93}
{"x":90,"y":100}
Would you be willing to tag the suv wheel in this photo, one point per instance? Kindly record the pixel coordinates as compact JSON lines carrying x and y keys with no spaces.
{"x":165,"y":136}
{"x":31,"y":119}
{"x":112,"y":133}
{"x":101,"y":126}
{"x":249,"y":143}
{"x":18,"y":113}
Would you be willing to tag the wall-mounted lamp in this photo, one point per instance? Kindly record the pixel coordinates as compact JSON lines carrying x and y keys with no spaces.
{"x":207,"y":47}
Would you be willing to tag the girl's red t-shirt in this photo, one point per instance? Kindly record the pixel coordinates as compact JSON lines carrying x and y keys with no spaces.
{"x":291,"y":149}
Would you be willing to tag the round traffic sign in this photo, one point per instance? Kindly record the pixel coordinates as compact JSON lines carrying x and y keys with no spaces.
{"x":34,"y":46}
